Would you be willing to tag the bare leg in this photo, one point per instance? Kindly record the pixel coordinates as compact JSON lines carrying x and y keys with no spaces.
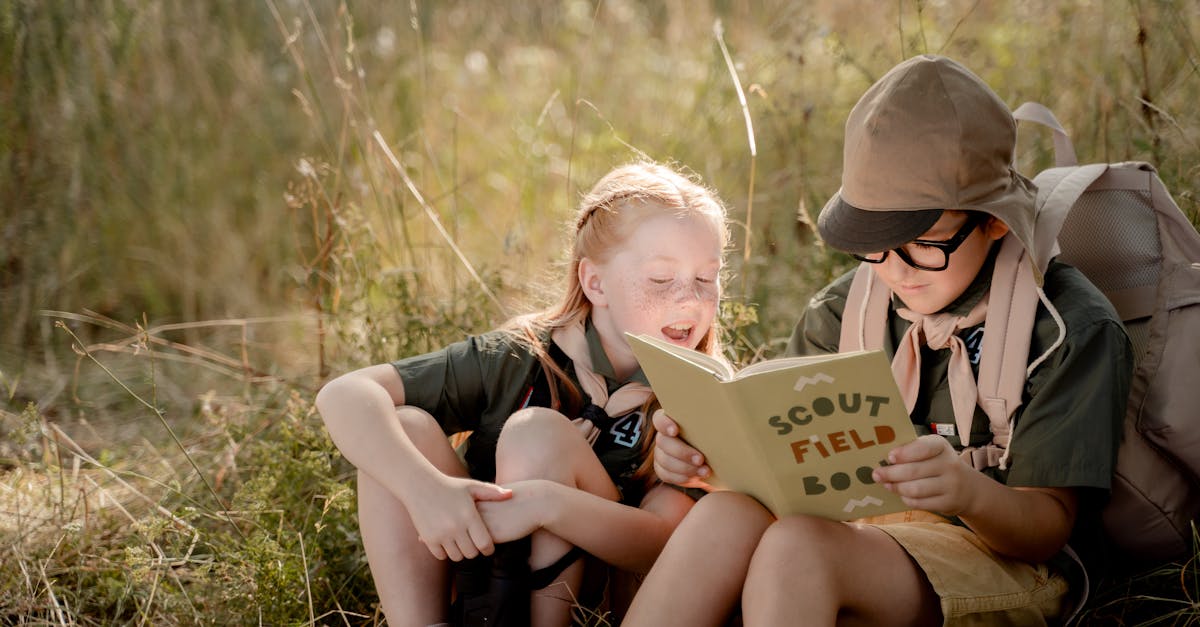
{"x":539,"y":443}
{"x":815,"y":571}
{"x":708,"y":556}
{"x":412,"y":584}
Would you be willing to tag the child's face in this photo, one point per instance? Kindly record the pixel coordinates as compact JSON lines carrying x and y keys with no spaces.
{"x":663,"y":281}
{"x":928,"y":292}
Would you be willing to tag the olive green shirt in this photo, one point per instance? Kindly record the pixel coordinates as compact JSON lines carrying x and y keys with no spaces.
{"x":1068,"y":426}
{"x":476,"y":384}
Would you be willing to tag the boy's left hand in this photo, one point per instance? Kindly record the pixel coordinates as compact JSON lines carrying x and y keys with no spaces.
{"x":927,"y":474}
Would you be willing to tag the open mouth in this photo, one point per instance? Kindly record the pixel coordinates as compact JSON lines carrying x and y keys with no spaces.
{"x":677,"y":332}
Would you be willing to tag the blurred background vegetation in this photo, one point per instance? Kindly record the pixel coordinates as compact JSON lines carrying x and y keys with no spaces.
{"x":208,"y":208}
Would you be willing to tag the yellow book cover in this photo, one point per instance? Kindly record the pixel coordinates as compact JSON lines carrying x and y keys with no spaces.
{"x":800,"y":434}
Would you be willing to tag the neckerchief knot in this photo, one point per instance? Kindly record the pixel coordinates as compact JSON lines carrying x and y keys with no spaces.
{"x":940,"y":331}
{"x":572,"y":339}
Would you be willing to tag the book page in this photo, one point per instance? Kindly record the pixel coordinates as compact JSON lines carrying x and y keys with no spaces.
{"x":788,"y":362}
{"x":718,"y":367}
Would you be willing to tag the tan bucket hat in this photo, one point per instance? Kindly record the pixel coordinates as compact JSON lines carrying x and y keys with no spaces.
{"x":928,"y":136}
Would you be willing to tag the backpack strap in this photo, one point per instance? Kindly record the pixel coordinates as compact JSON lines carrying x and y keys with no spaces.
{"x":1012,"y":304}
{"x":1007,"y":329}
{"x":1064,"y":150}
{"x":865,"y":316}
{"x":1004,"y":357}
{"x":1058,"y":190}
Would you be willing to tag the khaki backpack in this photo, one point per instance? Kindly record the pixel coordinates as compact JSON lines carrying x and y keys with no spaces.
{"x":1118,"y":225}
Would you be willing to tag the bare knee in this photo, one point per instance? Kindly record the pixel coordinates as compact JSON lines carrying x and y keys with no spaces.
{"x":855,"y":574}
{"x":802,"y":546}
{"x":536,"y":441}
{"x":736,"y":519}
{"x":732,"y":510}
{"x":420,"y":427}
{"x":803,"y":538}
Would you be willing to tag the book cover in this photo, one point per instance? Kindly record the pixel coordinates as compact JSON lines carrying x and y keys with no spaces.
{"x":802,"y":435}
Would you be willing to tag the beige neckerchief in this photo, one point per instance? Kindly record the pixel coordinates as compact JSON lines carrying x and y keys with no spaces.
{"x":572,"y":339}
{"x":938,"y":331}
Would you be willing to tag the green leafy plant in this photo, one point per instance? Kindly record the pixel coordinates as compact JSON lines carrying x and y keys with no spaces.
{"x":282,"y":191}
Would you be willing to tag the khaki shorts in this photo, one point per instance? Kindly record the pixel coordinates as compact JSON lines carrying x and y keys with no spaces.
{"x":976,"y":586}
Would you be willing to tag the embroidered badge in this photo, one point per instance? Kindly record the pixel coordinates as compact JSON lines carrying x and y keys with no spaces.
{"x":943,"y":428}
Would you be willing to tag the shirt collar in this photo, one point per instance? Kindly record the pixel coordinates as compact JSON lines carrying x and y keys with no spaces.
{"x":600,"y":363}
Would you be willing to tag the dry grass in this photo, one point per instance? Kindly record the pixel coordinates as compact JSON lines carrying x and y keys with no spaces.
{"x":227,"y":202}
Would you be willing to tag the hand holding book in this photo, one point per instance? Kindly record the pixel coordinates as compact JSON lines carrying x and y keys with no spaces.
{"x":801,"y":435}
{"x":675,"y":461}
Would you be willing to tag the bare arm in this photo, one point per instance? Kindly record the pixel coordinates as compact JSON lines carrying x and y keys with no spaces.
{"x":626,"y":537}
{"x":359,"y":410}
{"x":1030,"y":524}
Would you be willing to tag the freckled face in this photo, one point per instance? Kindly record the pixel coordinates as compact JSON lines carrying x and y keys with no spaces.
{"x":664,"y":281}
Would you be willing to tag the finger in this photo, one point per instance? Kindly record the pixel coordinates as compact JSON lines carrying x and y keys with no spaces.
{"x":481,"y":538}
{"x":482,"y":491}
{"x":926,"y":494}
{"x":466,"y":546}
{"x":664,"y":424}
{"x":924,"y":447}
{"x":672,"y":476}
{"x":677,"y":449}
{"x":454,"y":553}
{"x":668,"y":476}
{"x":434,"y":549}
{"x":915,"y":489}
{"x":675,"y":464}
{"x":908,"y":473}
{"x":899,"y":473}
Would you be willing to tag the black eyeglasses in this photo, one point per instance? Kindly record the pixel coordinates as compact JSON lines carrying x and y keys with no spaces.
{"x":927,"y":254}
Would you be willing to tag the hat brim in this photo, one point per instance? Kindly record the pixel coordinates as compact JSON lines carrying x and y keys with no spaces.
{"x":850,"y":229}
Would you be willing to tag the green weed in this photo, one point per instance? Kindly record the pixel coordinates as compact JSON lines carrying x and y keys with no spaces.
{"x":226,"y":203}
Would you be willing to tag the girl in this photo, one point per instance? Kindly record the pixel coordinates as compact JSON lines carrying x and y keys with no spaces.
{"x":557,"y":460}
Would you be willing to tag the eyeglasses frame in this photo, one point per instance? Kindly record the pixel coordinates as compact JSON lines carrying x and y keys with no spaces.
{"x":947,"y":246}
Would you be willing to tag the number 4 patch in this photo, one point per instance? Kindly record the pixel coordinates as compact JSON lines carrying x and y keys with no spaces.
{"x":627,"y":431}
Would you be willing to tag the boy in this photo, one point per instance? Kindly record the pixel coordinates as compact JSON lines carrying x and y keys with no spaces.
{"x":928,"y":196}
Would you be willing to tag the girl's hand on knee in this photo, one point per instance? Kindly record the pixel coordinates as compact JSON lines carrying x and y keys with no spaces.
{"x":526,"y":512}
{"x":675,"y":461}
{"x":447,"y":520}
{"x":928,"y":475}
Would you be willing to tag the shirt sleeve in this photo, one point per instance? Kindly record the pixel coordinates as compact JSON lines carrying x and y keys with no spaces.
{"x":1067,"y":435}
{"x":819,"y":330}
{"x":449,"y":383}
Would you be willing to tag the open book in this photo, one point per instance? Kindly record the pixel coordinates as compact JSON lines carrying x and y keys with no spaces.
{"x":800,"y":434}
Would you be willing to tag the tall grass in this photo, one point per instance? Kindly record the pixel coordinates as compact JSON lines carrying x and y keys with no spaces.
{"x":227,"y":202}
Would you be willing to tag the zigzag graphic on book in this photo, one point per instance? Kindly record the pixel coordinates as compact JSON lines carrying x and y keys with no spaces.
{"x":853,"y":504}
{"x":820,"y":377}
